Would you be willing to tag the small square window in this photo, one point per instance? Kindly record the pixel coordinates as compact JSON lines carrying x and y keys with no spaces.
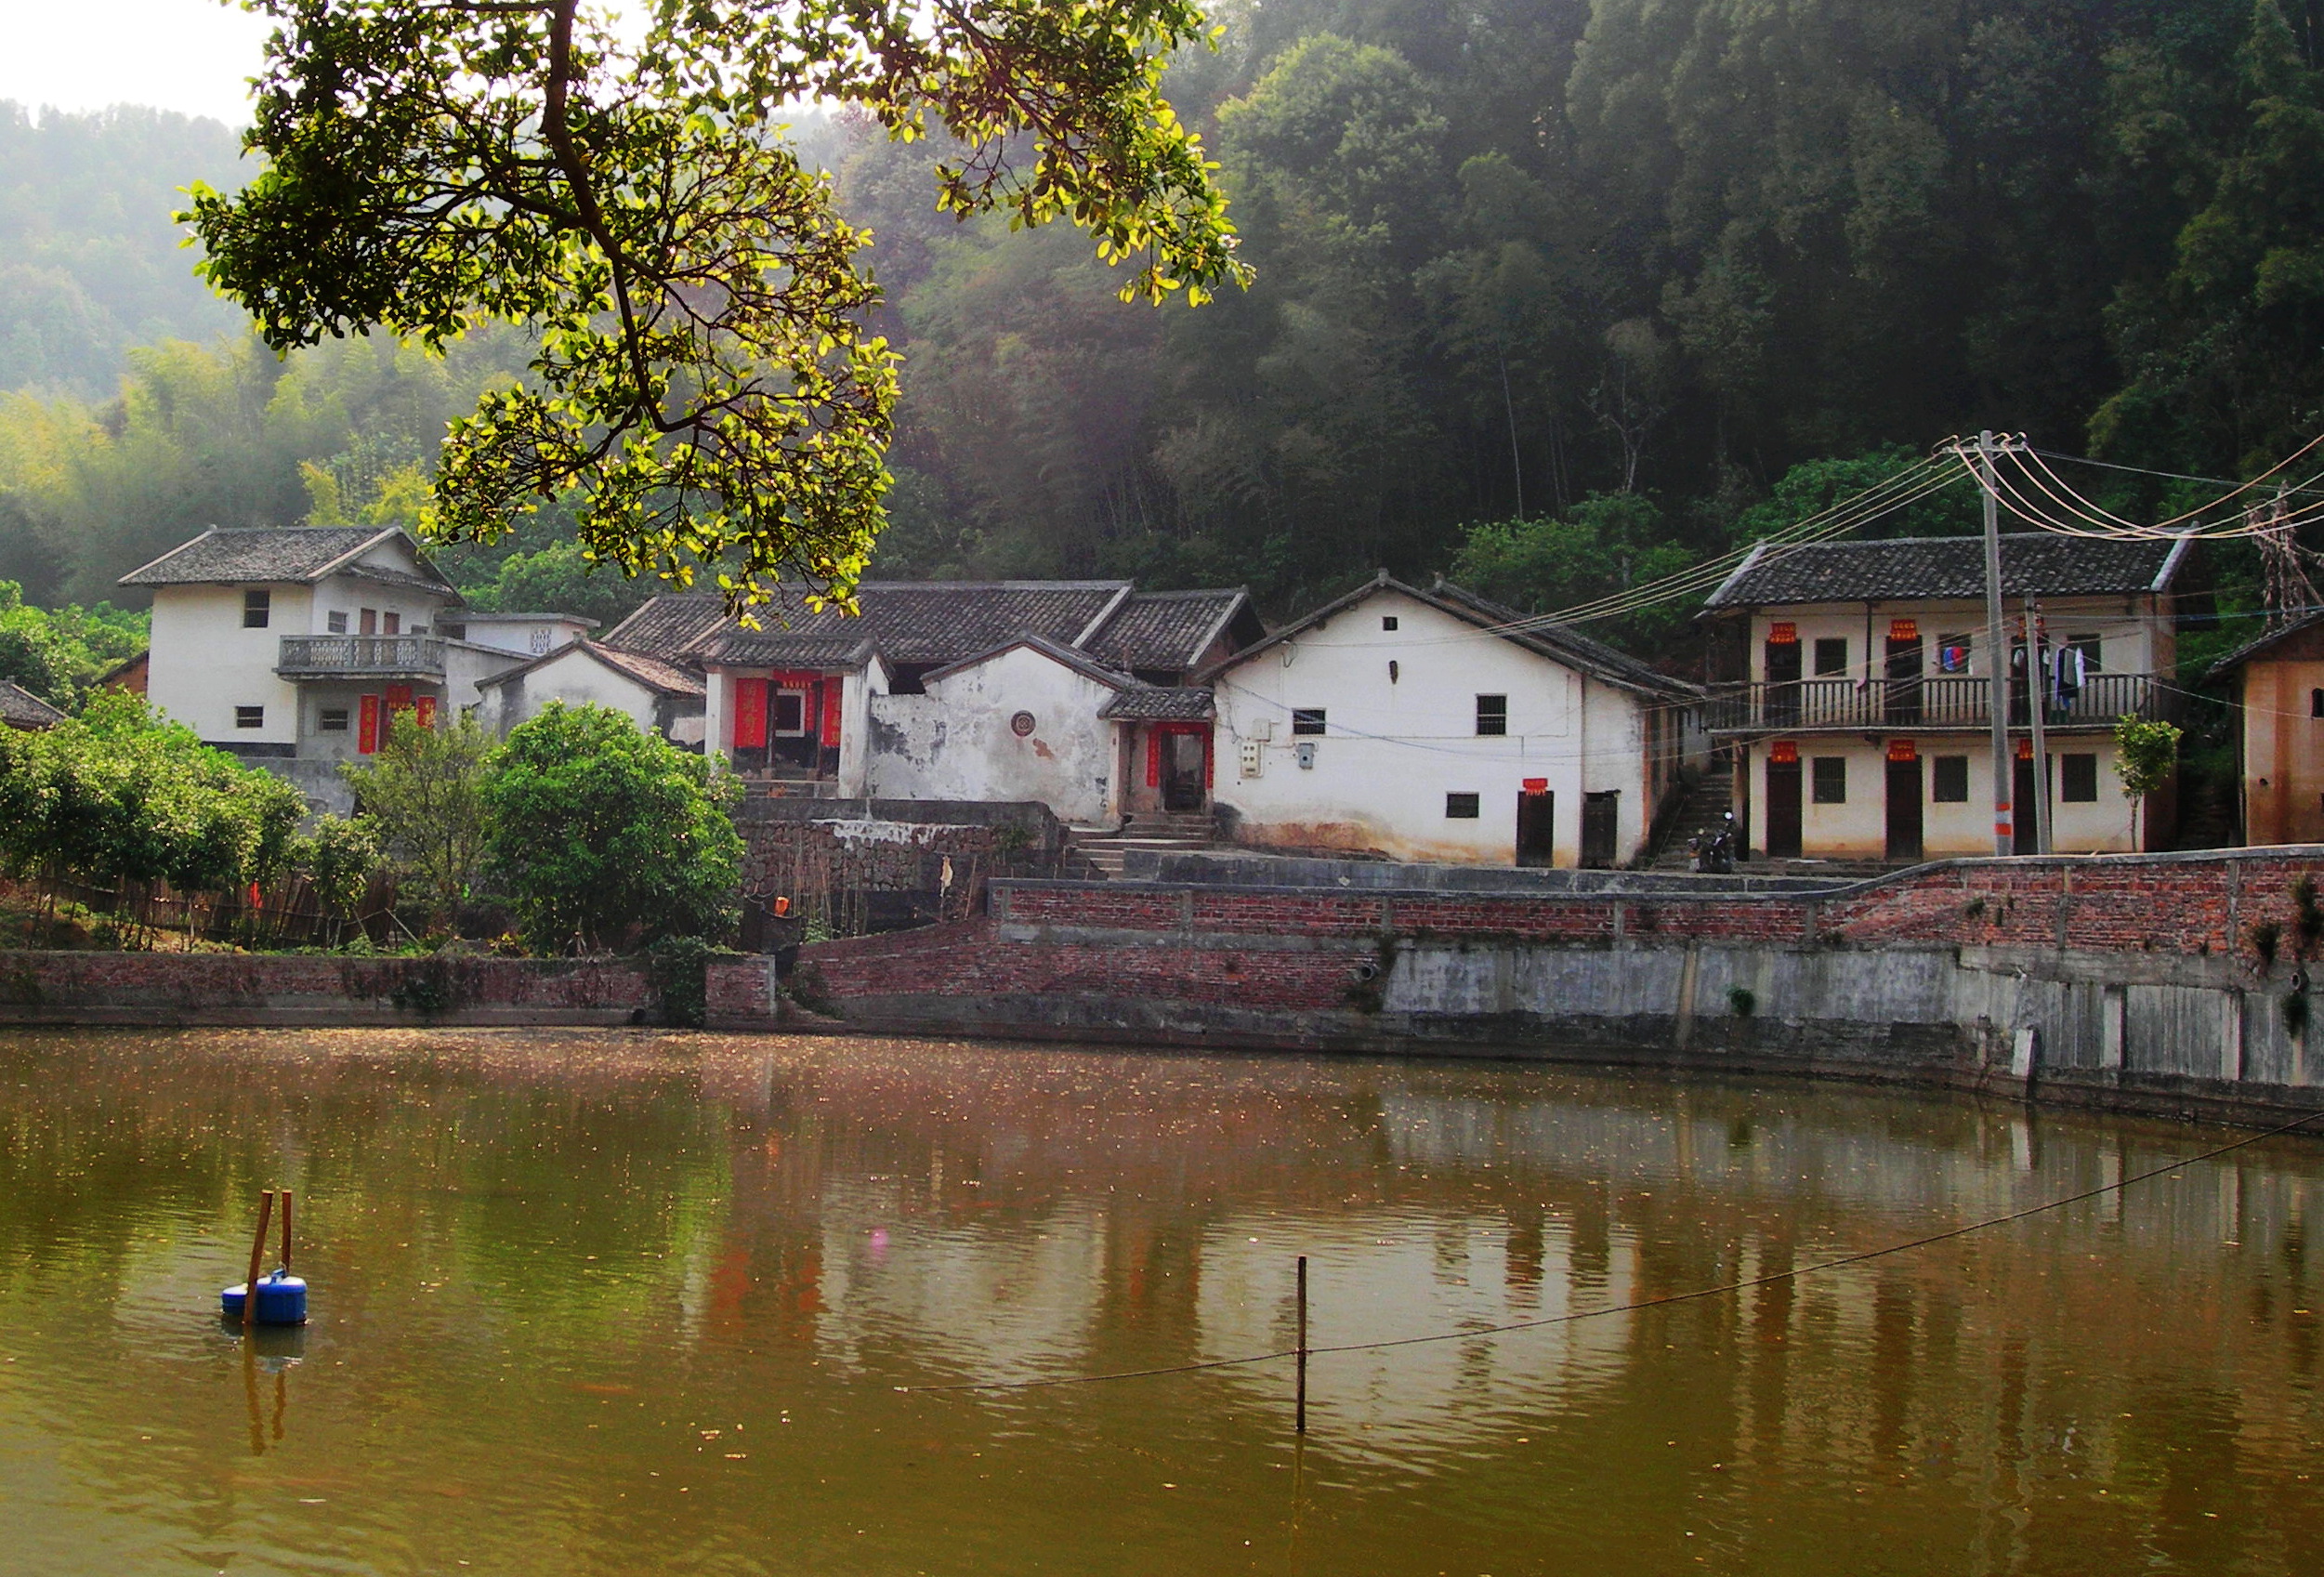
{"x":1492,"y":715}
{"x":1387,"y":621}
{"x":1306,"y":720}
{"x":1832,"y":657}
{"x":258,"y":607}
{"x":331,"y":719}
{"x":1831,"y":774}
{"x":2078,"y":779}
{"x":1949,"y":780}
{"x":1461,"y":807}
{"x":336,"y":623}
{"x":250,"y":717}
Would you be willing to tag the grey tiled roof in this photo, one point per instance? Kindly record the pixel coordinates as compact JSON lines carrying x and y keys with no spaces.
{"x":20,"y":708}
{"x":1160,"y":703}
{"x":2033,"y":564}
{"x":670,"y":624}
{"x":1557,"y":642}
{"x":1056,"y":651}
{"x":905,"y":622}
{"x":1164,"y":629}
{"x":669,"y":678}
{"x":260,"y":554}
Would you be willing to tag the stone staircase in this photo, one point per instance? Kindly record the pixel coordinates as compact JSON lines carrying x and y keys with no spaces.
{"x":1706,"y":800}
{"x":1166,"y":831}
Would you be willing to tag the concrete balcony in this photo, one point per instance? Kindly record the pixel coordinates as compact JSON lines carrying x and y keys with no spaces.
{"x":1933,"y":703}
{"x":362,"y":657}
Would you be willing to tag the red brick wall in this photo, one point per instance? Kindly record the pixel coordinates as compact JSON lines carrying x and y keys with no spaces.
{"x":162,"y":985}
{"x":2183,"y":906}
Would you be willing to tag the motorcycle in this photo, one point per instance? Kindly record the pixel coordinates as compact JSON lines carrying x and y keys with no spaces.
{"x":1715,"y":852}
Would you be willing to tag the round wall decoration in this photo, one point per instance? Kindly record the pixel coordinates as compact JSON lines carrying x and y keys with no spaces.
{"x":1022,"y":724}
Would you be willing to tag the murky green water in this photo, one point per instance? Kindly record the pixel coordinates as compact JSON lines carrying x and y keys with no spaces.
{"x":615,"y":1303}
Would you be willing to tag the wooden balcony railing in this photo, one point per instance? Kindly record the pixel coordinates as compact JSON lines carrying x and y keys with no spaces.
{"x":1934,"y":700}
{"x":361,"y":657}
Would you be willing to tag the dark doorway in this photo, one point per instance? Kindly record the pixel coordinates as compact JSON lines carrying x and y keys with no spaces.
{"x":2023,"y":827}
{"x":1784,"y":809}
{"x":1601,"y":816}
{"x":1904,"y":809}
{"x":1184,"y":759}
{"x":1783,"y":682}
{"x":791,"y":718}
{"x":1904,"y":680}
{"x":1537,"y":829}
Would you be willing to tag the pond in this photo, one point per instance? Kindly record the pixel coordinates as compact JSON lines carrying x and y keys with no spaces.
{"x":608,"y":1302}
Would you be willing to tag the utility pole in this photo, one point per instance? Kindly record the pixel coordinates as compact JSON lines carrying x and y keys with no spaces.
{"x":1996,"y":652}
{"x":2037,"y":644}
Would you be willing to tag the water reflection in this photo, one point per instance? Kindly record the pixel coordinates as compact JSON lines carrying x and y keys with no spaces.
{"x":585,"y":1300}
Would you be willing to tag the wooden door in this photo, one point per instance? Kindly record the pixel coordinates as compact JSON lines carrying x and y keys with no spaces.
{"x":1904,"y":811}
{"x":1783,"y":683}
{"x":1784,"y":809}
{"x":1537,"y":828}
{"x":1600,"y":817}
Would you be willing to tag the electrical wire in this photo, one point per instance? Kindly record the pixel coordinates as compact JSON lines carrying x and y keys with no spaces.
{"x":1667,"y":1300}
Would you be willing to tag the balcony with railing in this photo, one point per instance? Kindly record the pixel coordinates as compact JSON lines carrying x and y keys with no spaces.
{"x":361,"y":657}
{"x":1933,"y":701}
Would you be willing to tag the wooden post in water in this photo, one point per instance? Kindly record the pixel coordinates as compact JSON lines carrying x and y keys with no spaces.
{"x":1301,"y":1412}
{"x":257,"y":1254}
{"x":287,"y":1231}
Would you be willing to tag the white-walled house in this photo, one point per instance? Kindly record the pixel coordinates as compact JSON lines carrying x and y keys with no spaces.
{"x":1435,"y":724}
{"x":296,"y":647}
{"x":945,"y":690}
{"x":659,"y":697}
{"x":1861,"y":727}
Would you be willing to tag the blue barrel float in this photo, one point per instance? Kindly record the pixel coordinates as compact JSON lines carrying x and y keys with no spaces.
{"x":281,"y":1298}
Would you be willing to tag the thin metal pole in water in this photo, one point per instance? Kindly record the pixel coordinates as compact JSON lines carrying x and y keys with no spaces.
{"x":257,"y":1254}
{"x":287,"y":1231}
{"x":1301,"y":1423}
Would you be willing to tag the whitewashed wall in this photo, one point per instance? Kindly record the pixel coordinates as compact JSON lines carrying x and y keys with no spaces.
{"x":955,"y":743}
{"x":204,"y":663}
{"x":1395,"y":747}
{"x":574,"y":677}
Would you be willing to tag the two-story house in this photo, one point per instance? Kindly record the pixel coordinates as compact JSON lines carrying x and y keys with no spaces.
{"x":1861,"y":725}
{"x":297,"y":647}
{"x":1431,"y":724}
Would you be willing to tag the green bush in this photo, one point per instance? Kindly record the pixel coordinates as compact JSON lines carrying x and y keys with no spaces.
{"x":424,"y":791}
{"x":597,"y":829}
{"x":114,"y":795}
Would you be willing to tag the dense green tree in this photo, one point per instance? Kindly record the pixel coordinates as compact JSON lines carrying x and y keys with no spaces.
{"x":603,"y":834}
{"x":113,"y":796}
{"x":1606,"y":545}
{"x":703,"y":380}
{"x":423,"y":793}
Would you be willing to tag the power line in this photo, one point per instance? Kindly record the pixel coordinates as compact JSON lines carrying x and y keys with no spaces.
{"x":1667,"y":1300}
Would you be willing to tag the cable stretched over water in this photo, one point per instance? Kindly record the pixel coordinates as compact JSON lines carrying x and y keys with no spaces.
{"x":1665,"y":1301}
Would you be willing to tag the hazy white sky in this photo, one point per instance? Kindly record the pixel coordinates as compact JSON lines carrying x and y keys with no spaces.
{"x":193,"y":55}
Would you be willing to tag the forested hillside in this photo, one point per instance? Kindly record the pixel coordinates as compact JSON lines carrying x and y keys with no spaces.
{"x":90,"y":263}
{"x":1552,"y":293}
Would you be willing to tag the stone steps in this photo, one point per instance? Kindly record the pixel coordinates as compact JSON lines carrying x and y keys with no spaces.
{"x":1157,"y":831}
